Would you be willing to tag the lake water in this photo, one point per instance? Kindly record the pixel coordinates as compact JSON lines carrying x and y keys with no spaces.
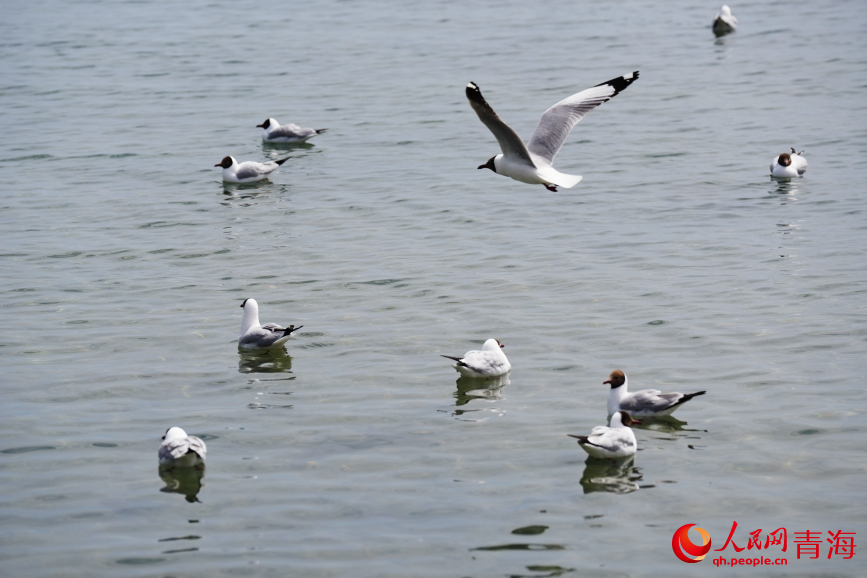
{"x":677,"y":259}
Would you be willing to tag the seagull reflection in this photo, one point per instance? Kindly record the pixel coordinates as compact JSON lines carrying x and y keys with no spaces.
{"x":784,"y":186}
{"x":282,"y":146}
{"x":488,"y":389}
{"x":186,"y":481}
{"x":616,"y":477}
{"x":665,"y":424}
{"x":264,"y":361}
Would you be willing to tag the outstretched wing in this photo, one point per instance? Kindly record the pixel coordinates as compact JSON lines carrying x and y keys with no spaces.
{"x":557,"y":122}
{"x":510,"y":143}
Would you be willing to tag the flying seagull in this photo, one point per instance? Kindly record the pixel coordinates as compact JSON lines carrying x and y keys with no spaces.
{"x":533,"y":163}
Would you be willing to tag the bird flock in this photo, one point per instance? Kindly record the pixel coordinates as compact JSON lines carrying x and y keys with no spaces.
{"x":531,"y":163}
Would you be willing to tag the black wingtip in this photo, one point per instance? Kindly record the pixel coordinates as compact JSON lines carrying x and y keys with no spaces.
{"x":473,"y":92}
{"x":320,"y":130}
{"x":620,"y":83}
{"x":290,"y":329}
{"x":281,"y":161}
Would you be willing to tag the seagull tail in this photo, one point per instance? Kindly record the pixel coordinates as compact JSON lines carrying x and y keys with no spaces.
{"x":566,"y":181}
{"x":458,"y":359}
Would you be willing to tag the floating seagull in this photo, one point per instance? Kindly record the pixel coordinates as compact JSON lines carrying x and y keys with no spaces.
{"x":787,"y":166}
{"x":248,"y":171}
{"x":533,"y":163}
{"x":644,"y":403}
{"x":255,"y":336}
{"x":272,"y":131}
{"x":489,"y":362}
{"x":180,"y":450}
{"x":724,"y":21}
{"x":617,"y":441}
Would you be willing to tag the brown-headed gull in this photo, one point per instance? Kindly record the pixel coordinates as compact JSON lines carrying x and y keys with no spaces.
{"x":181,"y":450}
{"x":533,"y":163}
{"x":787,"y":166}
{"x":724,"y":21}
{"x":273,"y":131}
{"x":255,"y":336}
{"x":614,"y":442}
{"x":248,"y":171}
{"x":489,"y":362}
{"x":644,"y":403}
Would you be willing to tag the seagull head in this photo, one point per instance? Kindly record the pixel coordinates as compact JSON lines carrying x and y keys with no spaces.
{"x":626,"y":419}
{"x":174,"y":433}
{"x":492,"y":345}
{"x":249,"y":304}
{"x":489,"y":165}
{"x":616,"y":379}
{"x":725,"y":10}
{"x":785,"y":159}
{"x":226,"y":162}
{"x":268,"y":122}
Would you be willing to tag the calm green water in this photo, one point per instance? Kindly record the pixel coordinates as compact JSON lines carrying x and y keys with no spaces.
{"x":677,"y":259}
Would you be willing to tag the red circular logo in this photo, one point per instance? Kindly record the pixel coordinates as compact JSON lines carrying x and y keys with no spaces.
{"x":681,"y":543}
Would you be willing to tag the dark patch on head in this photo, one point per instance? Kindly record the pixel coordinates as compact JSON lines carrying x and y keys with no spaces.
{"x":225,"y":163}
{"x":244,"y":303}
{"x":265,"y":124}
{"x":785,"y":160}
{"x":500,"y":344}
{"x":627,"y":419}
{"x":616,"y":379}
{"x":167,"y":431}
{"x":489,"y":165}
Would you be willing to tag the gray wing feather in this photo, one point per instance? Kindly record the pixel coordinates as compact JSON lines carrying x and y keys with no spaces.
{"x":649,"y":400}
{"x":510,"y":143}
{"x":290,"y":131}
{"x":250,"y":170}
{"x":557,"y":122}
{"x":260,"y":337}
{"x":197,"y":445}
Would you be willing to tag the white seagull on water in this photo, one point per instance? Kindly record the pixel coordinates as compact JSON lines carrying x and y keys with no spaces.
{"x":644,"y":403}
{"x":273,"y":131}
{"x":489,"y":362}
{"x":248,"y":171}
{"x":533,"y":163}
{"x":724,"y":21}
{"x":787,"y":166}
{"x":255,"y":336}
{"x":617,"y":441}
{"x":181,"y":450}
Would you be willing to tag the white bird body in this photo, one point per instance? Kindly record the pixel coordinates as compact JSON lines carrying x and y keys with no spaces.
{"x":644,"y":403}
{"x":181,"y":450}
{"x":533,"y":162}
{"x":489,"y":362}
{"x":724,"y":21}
{"x":614,"y":442}
{"x":248,"y":171}
{"x":256,"y":336}
{"x":788,"y":166}
{"x":274,"y":132}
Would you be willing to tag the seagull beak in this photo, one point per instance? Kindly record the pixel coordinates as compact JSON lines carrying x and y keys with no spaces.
{"x":636,"y":421}
{"x":218,"y":165}
{"x":606,"y":382}
{"x":260,"y":125}
{"x":502,"y":346}
{"x":483,"y":166}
